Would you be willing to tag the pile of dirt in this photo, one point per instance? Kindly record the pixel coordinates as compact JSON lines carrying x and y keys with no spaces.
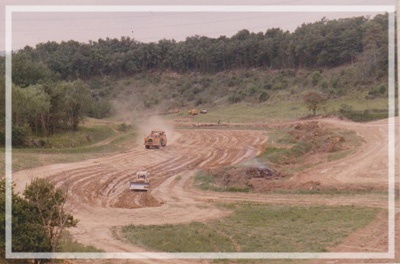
{"x":265,"y":173}
{"x":258,"y":180}
{"x":321,"y":139}
{"x":244,"y":178}
{"x":130,"y":200}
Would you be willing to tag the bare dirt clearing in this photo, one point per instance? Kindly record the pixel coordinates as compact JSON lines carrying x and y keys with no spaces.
{"x":99,"y":196}
{"x":98,"y":188}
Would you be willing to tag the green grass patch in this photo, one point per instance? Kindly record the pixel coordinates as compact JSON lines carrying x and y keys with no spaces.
{"x":208,"y":182}
{"x":338,"y":155}
{"x":366,"y":115}
{"x":129,"y":136}
{"x":68,"y":244}
{"x":280,"y":108}
{"x":332,"y":192}
{"x":178,"y":178}
{"x":361,"y":109}
{"x":257,"y":228}
{"x":205,"y":181}
{"x":285,"y":156}
{"x":25,"y":158}
{"x":251,"y":112}
{"x":193,"y":237}
{"x":83,"y":137}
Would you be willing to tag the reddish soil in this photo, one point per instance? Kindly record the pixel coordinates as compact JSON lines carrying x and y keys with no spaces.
{"x":100,"y":199}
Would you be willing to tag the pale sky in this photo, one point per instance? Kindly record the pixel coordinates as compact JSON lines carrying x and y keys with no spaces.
{"x":32,"y":28}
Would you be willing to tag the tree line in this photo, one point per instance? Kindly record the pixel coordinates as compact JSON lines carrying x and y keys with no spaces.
{"x":46,"y":108}
{"x":326,"y":43}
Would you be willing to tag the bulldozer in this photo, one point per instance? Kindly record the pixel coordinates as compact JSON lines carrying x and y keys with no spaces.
{"x":156,"y":139}
{"x":141,"y":183}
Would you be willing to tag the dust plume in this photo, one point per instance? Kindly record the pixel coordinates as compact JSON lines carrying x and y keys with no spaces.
{"x":255,"y":163}
{"x":146,"y":125}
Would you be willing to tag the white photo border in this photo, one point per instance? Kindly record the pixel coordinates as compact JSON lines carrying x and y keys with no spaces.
{"x":390,"y":254}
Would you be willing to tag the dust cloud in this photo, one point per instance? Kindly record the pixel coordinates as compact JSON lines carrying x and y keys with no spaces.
{"x":255,"y":163}
{"x":129,"y":111}
{"x":146,"y":125}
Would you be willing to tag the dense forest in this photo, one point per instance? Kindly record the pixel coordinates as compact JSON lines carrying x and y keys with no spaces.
{"x":51,"y":82}
{"x":326,"y":43}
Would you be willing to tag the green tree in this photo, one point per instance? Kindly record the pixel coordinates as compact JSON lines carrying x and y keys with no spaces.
{"x":28,"y":234}
{"x":313,"y":101}
{"x":69,"y":104}
{"x":77,"y":101}
{"x":27,"y":70}
{"x":49,"y":205}
{"x":32,"y":105}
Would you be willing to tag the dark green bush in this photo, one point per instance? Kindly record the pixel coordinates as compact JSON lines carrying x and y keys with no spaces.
{"x":20,"y":135}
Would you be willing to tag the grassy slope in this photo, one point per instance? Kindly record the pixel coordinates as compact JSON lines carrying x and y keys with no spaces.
{"x":278,"y":110}
{"x":106,"y":137}
{"x":253,"y":95}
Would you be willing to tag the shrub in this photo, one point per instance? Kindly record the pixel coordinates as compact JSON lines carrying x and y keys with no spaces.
{"x":316,"y":76}
{"x":20,"y":135}
{"x":380,"y":91}
{"x":314,"y":101}
{"x":236,"y":97}
{"x":123,"y":127}
{"x":264,"y":96}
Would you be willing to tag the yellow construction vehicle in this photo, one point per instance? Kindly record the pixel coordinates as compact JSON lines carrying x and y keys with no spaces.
{"x":194,"y":112}
{"x":156,"y":139}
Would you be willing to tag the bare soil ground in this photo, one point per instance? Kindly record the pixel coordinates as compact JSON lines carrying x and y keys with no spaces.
{"x":100,"y":199}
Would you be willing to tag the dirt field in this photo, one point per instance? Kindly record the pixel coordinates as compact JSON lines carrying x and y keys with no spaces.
{"x":100,"y":199}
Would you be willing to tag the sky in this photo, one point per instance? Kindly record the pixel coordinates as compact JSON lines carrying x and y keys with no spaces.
{"x":31,"y":28}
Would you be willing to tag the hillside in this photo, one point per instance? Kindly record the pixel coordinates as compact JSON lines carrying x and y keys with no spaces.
{"x":268,"y":90}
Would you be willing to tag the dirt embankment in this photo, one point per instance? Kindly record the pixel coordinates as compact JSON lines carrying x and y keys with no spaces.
{"x":301,"y":145}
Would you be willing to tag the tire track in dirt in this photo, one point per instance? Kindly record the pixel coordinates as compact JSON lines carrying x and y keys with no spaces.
{"x":97,"y":186}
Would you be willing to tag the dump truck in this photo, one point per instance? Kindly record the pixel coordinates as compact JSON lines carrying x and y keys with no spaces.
{"x":141,"y":183}
{"x":193,"y":112}
{"x":156,"y":139}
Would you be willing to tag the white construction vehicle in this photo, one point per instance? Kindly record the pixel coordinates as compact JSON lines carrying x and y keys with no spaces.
{"x":141,"y":183}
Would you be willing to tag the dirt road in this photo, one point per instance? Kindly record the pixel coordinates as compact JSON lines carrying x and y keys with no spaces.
{"x":99,"y":196}
{"x":367,"y":168}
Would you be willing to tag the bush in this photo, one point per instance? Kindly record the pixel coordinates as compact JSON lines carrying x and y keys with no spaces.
{"x":363,"y":116}
{"x":380,"y":91}
{"x":20,"y":135}
{"x":100,"y":109}
{"x":236,"y":97}
{"x":316,"y":76}
{"x":324,"y":85}
{"x":123,"y":127}
{"x":264,"y":96}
